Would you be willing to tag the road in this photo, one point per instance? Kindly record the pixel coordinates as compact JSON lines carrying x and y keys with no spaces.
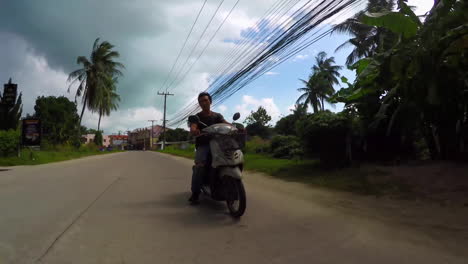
{"x":132,"y":208}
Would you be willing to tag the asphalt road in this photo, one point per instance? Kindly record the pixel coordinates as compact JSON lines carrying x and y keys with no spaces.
{"x":132,"y":208}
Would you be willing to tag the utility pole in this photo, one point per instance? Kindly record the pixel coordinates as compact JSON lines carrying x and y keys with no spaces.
{"x":151,"y":134}
{"x":164,"y":118}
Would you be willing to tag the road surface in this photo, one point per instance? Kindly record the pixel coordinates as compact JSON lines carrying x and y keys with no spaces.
{"x":132,"y":208}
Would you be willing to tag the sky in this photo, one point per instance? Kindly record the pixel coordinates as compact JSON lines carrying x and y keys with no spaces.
{"x":40,"y":41}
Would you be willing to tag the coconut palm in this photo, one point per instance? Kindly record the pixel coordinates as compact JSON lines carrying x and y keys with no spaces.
{"x":107,"y":100}
{"x":309,"y":94}
{"x":326,"y":74}
{"x":94,"y":74}
{"x":365,"y":39}
{"x":319,"y":88}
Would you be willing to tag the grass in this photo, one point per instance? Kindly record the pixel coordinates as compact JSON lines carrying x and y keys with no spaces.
{"x":48,"y":156}
{"x":356,"y":180}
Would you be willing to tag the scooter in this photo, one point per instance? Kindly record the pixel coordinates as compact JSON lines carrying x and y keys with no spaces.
{"x":223,"y":181}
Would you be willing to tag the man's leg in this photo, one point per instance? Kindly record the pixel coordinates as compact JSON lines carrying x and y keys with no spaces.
{"x":199,"y":170}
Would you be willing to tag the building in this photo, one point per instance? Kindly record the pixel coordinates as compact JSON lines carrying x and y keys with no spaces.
{"x":88,"y":138}
{"x":141,"y":138}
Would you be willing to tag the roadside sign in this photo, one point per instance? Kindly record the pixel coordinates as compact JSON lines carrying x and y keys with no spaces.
{"x":31,"y":132}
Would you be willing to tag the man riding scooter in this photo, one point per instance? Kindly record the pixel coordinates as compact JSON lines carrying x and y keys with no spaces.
{"x":207,"y":118}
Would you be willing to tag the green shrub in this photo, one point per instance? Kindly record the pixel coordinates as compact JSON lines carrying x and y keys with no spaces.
{"x":257,"y":145}
{"x":9,"y":140}
{"x":285,"y":147}
{"x":324,"y":135}
{"x":90,"y":147}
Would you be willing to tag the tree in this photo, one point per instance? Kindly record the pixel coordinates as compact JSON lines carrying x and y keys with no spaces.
{"x":260,"y":117}
{"x":287,"y":125}
{"x":95,"y":74}
{"x":98,"y":138}
{"x":257,"y":123}
{"x":319,"y":88}
{"x":10,"y":114}
{"x":107,"y":99}
{"x":417,"y":88}
{"x":176,"y":135}
{"x":59,"y":118}
{"x":365,"y":38}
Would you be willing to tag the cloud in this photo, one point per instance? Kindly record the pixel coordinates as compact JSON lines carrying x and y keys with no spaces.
{"x":301,"y":57}
{"x":125,"y":119}
{"x":249,"y":104}
{"x":271,"y":73}
{"x":222,"y":108}
{"x":422,"y":6}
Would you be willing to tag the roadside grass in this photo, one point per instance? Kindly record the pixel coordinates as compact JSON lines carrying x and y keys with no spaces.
{"x":29,"y":157}
{"x":356,"y":180}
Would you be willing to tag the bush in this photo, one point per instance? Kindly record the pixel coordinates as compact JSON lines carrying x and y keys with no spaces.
{"x":257,"y":145}
{"x":285,"y":147}
{"x":324,"y":135}
{"x":90,"y":147}
{"x":9,"y":140}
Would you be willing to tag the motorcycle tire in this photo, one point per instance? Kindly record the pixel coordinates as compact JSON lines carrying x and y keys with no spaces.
{"x":235,"y":195}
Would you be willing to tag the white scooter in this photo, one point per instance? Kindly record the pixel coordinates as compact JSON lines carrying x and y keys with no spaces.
{"x":223,"y":181}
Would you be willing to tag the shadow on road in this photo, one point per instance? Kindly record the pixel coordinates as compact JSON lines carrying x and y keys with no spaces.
{"x":175,"y":208}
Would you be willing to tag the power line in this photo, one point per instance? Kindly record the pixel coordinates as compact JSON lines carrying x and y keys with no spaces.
{"x":196,"y":45}
{"x":281,"y":45}
{"x":266,"y":21}
{"x":206,"y":46}
{"x":185,"y":42}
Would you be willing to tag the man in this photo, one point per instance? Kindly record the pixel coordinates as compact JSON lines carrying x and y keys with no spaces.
{"x":202,"y":146}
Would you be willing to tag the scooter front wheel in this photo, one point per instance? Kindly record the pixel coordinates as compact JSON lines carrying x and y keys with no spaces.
{"x":235,"y":197}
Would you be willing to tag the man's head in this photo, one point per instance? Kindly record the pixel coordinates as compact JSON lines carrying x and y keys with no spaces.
{"x":204,"y":100}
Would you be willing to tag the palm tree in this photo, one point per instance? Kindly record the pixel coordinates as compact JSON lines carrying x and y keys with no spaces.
{"x":319,"y":88}
{"x":94,"y":74}
{"x":327,"y":74}
{"x":107,"y":100}
{"x":365,"y":39}
{"x":310,"y":94}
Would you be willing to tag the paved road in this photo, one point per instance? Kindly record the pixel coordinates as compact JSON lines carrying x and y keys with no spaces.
{"x":131,"y":208}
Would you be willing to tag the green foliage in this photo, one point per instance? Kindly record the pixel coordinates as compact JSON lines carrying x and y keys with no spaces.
{"x":258,"y":117}
{"x":97,"y":78}
{"x":257,"y":123}
{"x":319,"y":87}
{"x":98,"y":138}
{"x":286,"y":147}
{"x":417,"y":87}
{"x":59,"y":119}
{"x":9,"y":140}
{"x":396,"y":22}
{"x":287,"y":125}
{"x":176,"y":135}
{"x":257,"y":144}
{"x":324,"y":135}
{"x":60,"y":153}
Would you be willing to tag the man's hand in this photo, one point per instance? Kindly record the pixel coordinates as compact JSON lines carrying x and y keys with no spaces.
{"x":196,"y":132}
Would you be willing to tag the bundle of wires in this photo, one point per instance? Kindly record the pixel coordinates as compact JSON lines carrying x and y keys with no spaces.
{"x":271,"y":44}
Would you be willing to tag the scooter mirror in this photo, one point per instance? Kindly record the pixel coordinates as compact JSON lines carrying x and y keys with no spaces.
{"x":236,"y":116}
{"x":193,"y":119}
